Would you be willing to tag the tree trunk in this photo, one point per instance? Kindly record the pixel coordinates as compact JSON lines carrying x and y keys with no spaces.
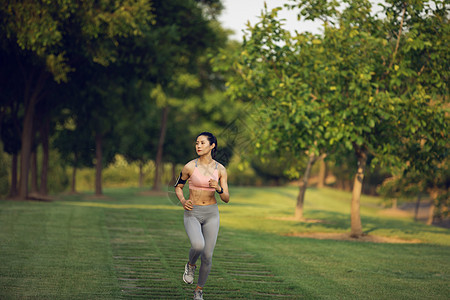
{"x":45,"y":148}
{"x":73,"y":189}
{"x":416,"y":210}
{"x":13,"y":188}
{"x":34,"y":183}
{"x":303,"y":186}
{"x":394,"y":203}
{"x":159,"y":154}
{"x":322,"y":172}
{"x":356,"y":227}
{"x":33,"y":158}
{"x":433,"y":196}
{"x":141,"y":174}
{"x":31,"y":99}
{"x":431,"y":213}
{"x":27,"y":138}
{"x":98,"y":164}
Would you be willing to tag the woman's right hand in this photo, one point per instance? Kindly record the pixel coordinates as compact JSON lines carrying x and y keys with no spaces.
{"x":188,"y":205}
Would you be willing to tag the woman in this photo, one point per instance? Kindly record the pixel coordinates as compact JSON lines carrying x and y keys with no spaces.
{"x":201,"y":214}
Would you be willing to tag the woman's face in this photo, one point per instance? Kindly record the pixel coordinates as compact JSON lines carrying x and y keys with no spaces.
{"x":202,"y":146}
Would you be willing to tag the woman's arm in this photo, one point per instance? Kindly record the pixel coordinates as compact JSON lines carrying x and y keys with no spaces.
{"x":225,"y":196}
{"x":187,"y":204}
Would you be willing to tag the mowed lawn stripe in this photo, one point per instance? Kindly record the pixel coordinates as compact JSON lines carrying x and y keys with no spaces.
{"x":132,"y":246}
{"x":52,"y":251}
{"x":150,"y":249}
{"x":140,"y":261}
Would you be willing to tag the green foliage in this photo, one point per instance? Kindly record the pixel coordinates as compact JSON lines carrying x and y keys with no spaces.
{"x":241,"y":174}
{"x":108,"y":57}
{"x":46,"y":28}
{"x":406,"y":186}
{"x":75,"y":145}
{"x":172,"y":70}
{"x":69,"y":41}
{"x":58,"y":180}
{"x":120,"y":173}
{"x":138,"y":124}
{"x":357,"y":87}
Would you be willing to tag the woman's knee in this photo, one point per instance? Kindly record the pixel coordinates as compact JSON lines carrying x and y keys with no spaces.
{"x":207,"y":257}
{"x":198,"y":246}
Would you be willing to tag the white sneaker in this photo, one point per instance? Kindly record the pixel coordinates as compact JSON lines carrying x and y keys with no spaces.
{"x":198,"y":295}
{"x":189,"y":272}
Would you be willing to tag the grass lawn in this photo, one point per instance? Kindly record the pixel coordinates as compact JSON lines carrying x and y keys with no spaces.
{"x":132,"y":246}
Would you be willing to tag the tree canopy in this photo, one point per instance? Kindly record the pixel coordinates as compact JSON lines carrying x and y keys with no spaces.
{"x":359,"y":86}
{"x":98,"y":51}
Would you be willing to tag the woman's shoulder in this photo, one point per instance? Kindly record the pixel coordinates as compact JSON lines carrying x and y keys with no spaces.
{"x":220,"y":167}
{"x":190,"y":165}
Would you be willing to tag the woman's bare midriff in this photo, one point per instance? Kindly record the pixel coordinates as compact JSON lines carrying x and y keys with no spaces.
{"x":201,"y":197}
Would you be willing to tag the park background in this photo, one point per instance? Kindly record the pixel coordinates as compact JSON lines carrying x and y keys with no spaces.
{"x":338,"y":136}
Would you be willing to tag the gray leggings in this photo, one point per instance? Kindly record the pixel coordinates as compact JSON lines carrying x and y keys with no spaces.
{"x":202,"y":227}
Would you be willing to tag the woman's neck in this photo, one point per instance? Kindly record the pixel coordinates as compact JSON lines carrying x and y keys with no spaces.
{"x":205,"y":159}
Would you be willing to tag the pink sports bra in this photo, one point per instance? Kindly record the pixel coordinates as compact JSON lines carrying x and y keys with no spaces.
{"x":198,"y":181}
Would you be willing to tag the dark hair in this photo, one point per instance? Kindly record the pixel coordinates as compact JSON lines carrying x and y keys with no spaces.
{"x":212,"y":140}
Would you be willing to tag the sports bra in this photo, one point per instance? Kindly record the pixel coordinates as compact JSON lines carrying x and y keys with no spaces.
{"x":198,"y":181}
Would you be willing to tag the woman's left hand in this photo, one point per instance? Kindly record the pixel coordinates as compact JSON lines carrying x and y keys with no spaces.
{"x":214,"y":184}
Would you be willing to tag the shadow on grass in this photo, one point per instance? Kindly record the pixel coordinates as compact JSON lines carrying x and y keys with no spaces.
{"x":335,"y":221}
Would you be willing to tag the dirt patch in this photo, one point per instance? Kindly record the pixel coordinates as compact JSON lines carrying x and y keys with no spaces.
{"x":97,"y":197}
{"x":392,"y":212}
{"x":347,"y":237}
{"x":40,"y":197}
{"x":407,"y":210}
{"x":297,"y":220}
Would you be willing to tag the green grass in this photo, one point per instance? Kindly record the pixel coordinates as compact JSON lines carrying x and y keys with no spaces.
{"x":130,"y":246}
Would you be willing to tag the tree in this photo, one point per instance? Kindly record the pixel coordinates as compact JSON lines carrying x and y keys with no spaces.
{"x":51,"y":43}
{"x":101,"y":111}
{"x":408,"y":183}
{"x":138,"y":125}
{"x":186,"y":32}
{"x":350,"y":88}
{"x":283,"y":83}
{"x":75,"y":144}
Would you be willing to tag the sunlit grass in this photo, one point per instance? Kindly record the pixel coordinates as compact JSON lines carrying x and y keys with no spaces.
{"x":272,"y":210}
{"x":128,"y":244}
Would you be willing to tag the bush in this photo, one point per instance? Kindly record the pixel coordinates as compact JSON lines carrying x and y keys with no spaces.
{"x":121,"y":174}
{"x":241,"y":173}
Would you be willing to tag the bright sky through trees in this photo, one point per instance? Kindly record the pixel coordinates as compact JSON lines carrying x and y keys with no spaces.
{"x":238,"y":12}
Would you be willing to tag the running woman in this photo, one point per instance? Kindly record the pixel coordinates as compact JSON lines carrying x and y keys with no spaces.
{"x":201,"y":214}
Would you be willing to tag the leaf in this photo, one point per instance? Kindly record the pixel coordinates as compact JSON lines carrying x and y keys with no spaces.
{"x":359,"y":140}
{"x":348,"y":145}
